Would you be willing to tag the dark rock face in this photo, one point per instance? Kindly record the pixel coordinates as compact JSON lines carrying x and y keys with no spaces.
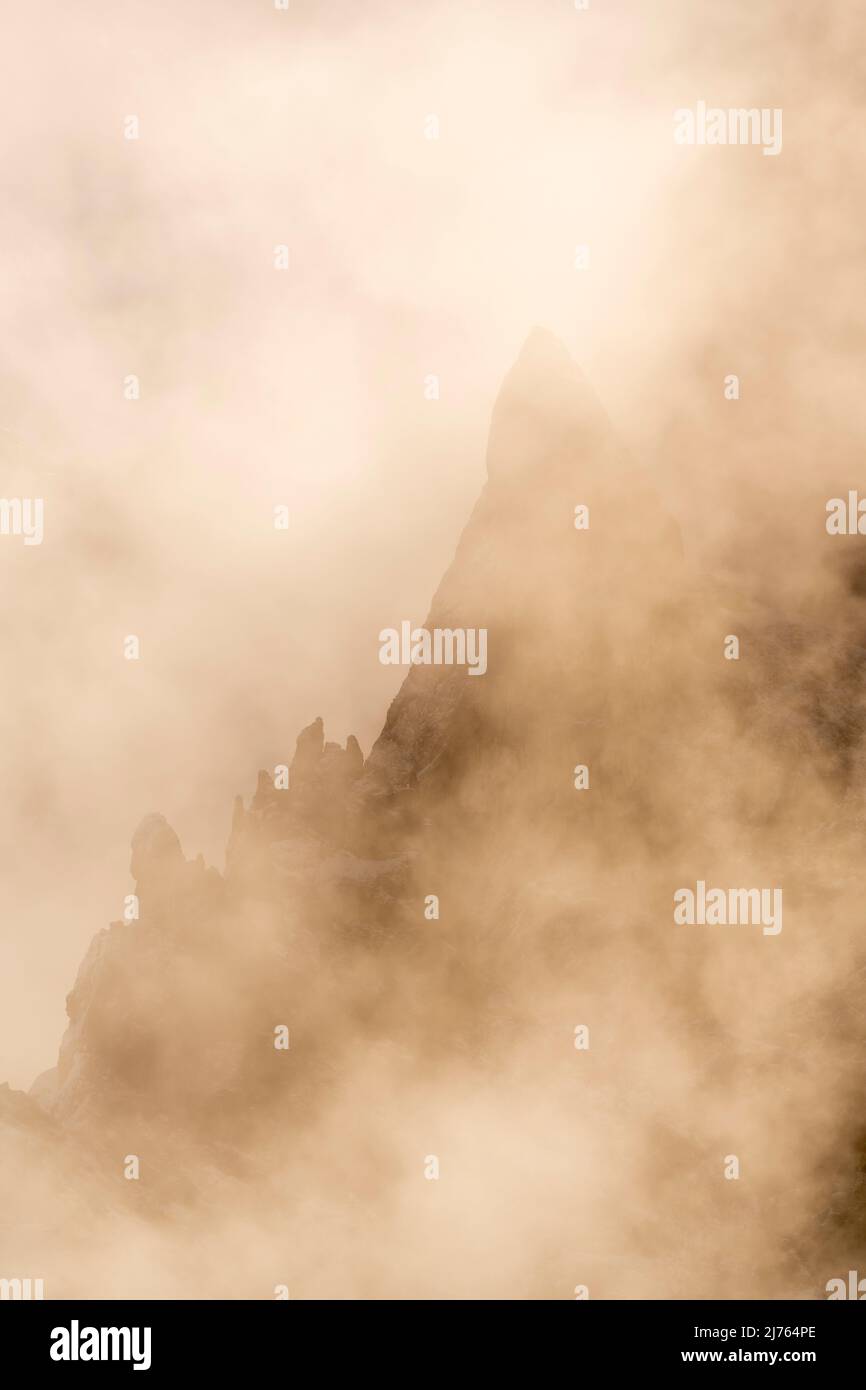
{"x":170,"y":1015}
{"x":336,"y":855}
{"x":603,"y":652}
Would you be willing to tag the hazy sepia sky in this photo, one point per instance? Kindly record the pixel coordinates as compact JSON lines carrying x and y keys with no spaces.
{"x":407,"y":257}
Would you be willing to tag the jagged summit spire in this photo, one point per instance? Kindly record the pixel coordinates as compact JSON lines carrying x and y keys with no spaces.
{"x":542,"y":348}
{"x":546,"y":414}
{"x":155,"y":847}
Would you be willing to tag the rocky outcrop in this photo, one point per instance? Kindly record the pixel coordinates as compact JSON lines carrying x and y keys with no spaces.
{"x":345,"y":850}
{"x":399,"y":949}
